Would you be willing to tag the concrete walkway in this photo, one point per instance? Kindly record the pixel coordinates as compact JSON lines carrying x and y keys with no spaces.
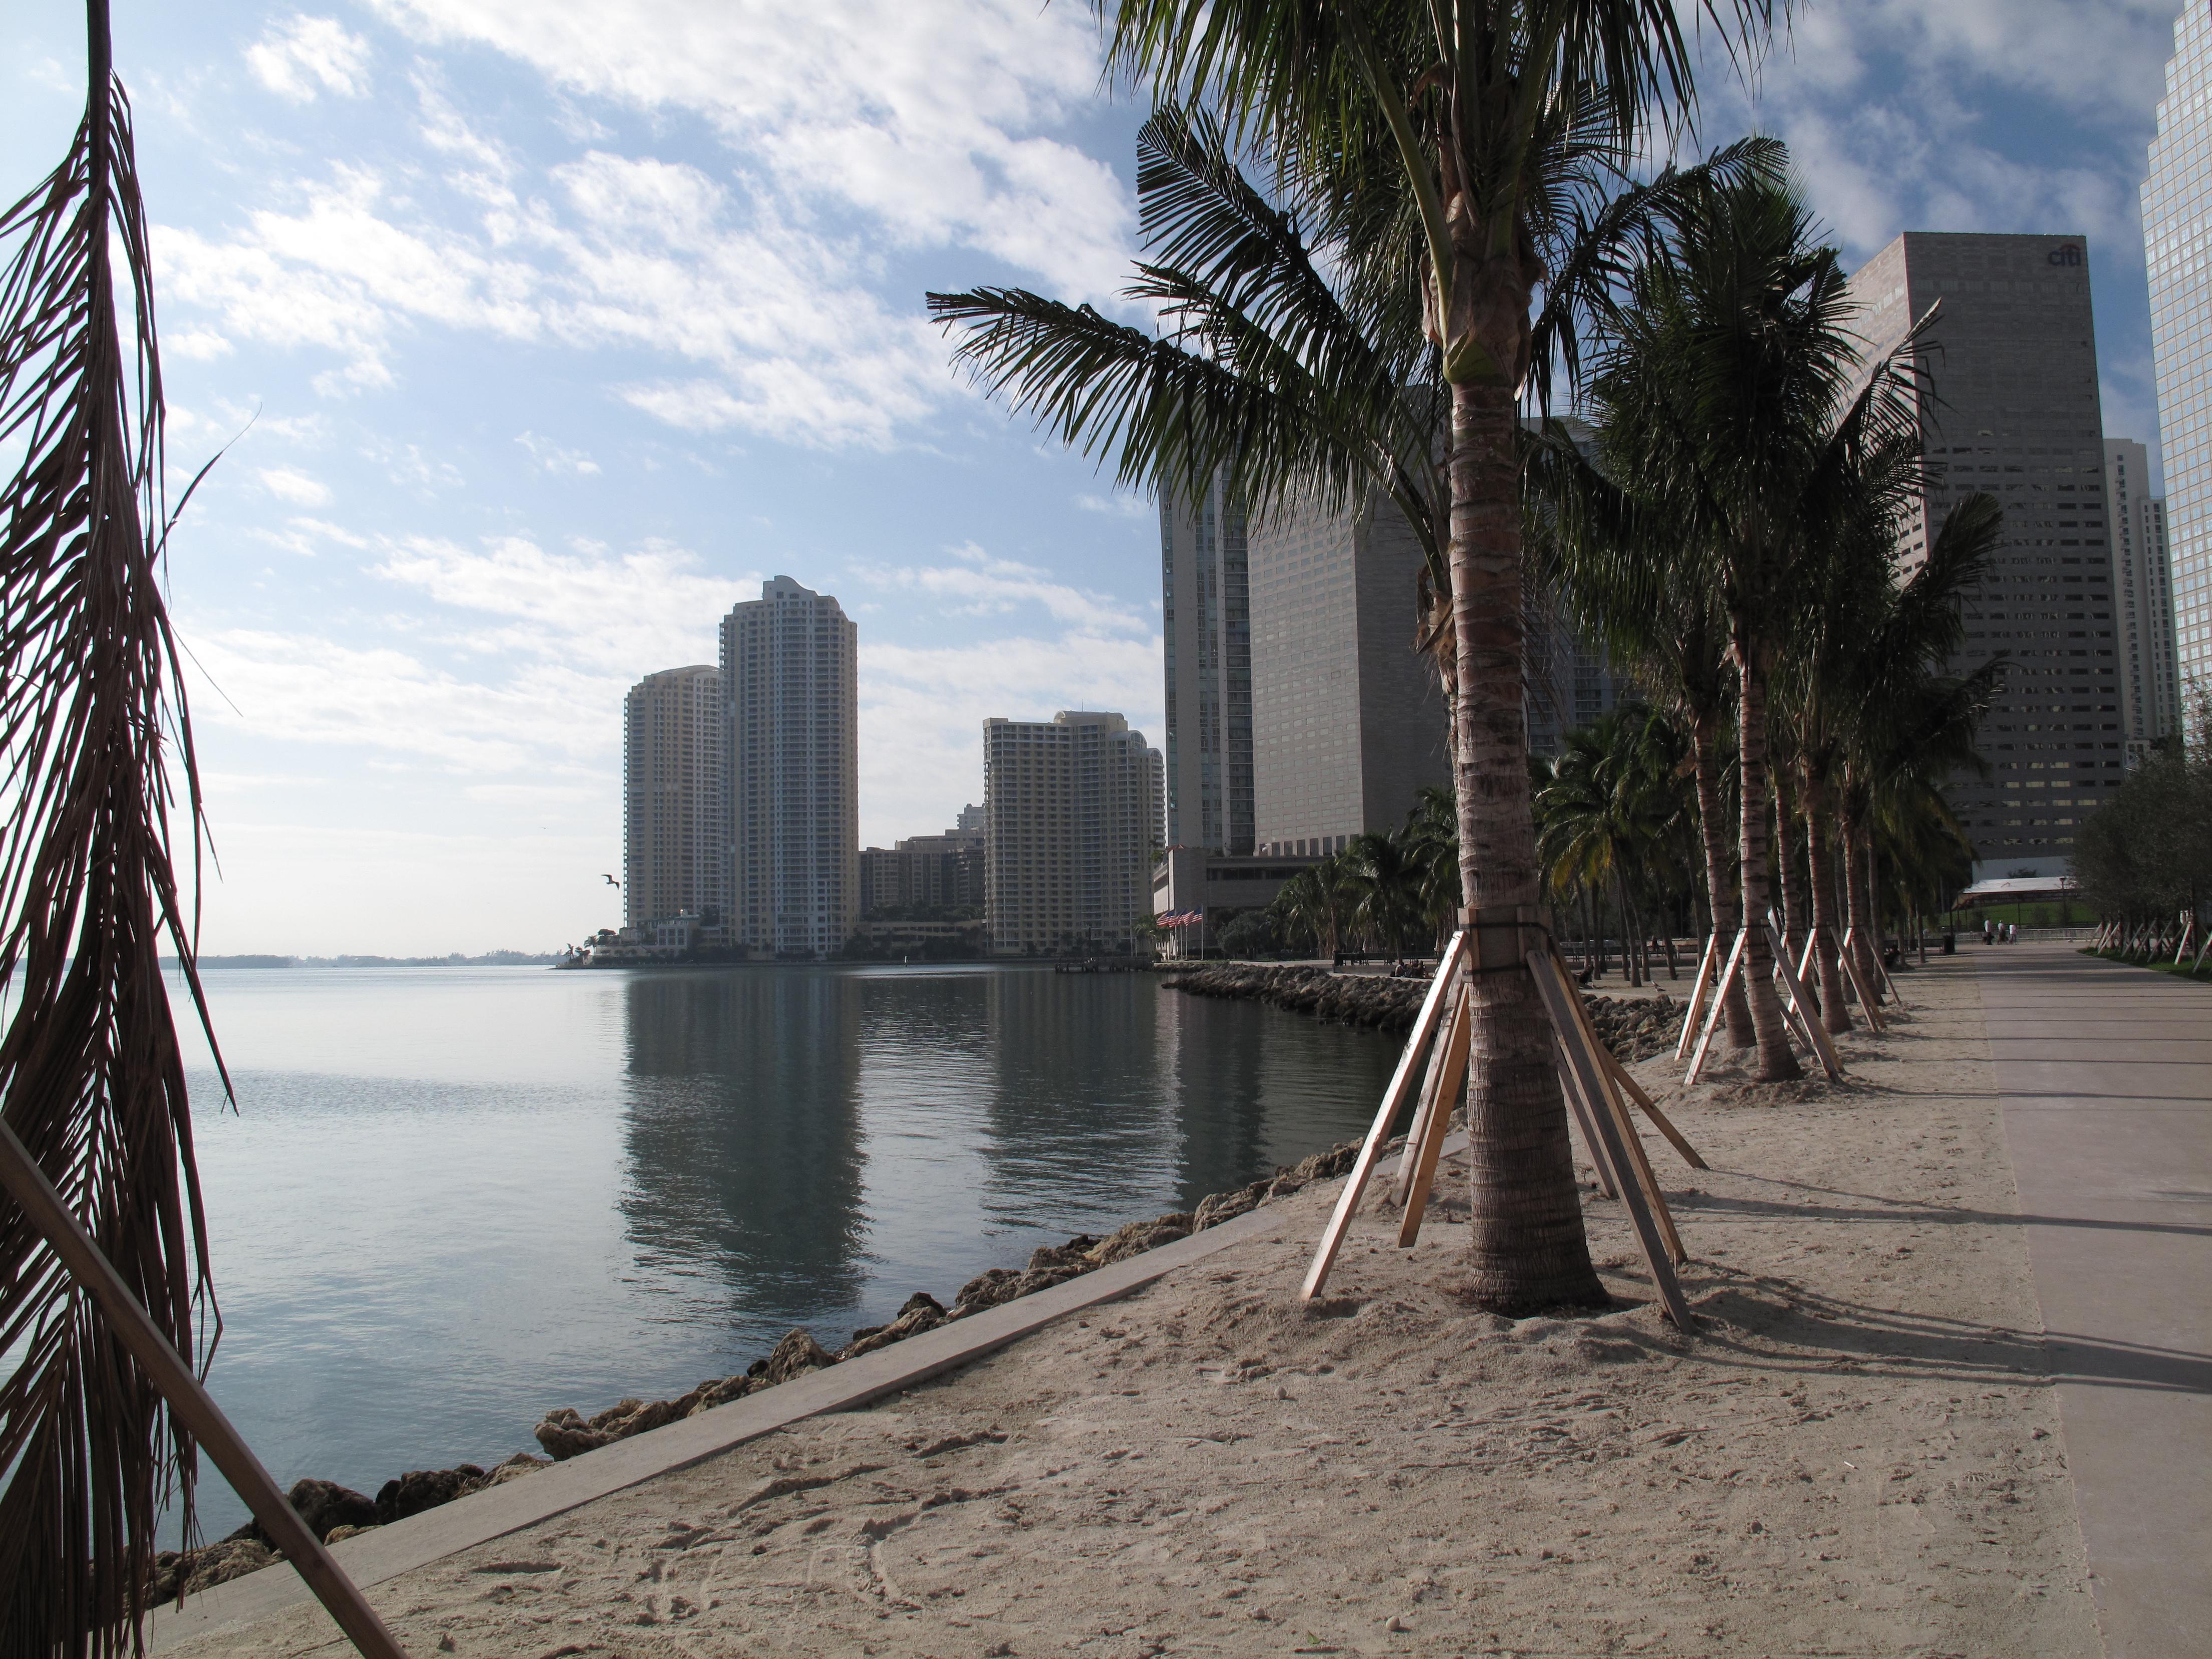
{"x":2104,"y":1076}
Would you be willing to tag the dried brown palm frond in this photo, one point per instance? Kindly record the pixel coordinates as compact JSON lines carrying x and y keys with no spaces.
{"x":91,"y":1078}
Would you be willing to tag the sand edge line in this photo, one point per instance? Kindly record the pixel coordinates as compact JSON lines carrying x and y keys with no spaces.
{"x":402,"y":1547}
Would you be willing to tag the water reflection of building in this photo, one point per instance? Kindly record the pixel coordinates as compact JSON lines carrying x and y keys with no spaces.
{"x":743,"y":1132}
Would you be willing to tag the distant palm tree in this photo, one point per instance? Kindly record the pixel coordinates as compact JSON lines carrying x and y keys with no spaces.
{"x":1908,"y":722}
{"x":1383,"y":882}
{"x":1315,"y":905}
{"x":1430,"y":839}
{"x":1612,"y":815}
{"x":1732,"y":402}
{"x":92,"y":1080}
{"x":1633,"y":578}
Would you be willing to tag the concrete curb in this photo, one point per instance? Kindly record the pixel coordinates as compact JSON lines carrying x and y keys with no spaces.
{"x":403,"y":1546}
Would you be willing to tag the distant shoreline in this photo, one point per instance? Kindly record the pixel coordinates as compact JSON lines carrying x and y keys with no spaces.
{"x":489,"y":959}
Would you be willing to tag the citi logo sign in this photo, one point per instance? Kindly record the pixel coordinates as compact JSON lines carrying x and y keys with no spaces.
{"x":2069,"y":255}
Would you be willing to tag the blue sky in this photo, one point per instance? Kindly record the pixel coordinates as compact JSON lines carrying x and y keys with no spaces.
{"x":559,"y":326}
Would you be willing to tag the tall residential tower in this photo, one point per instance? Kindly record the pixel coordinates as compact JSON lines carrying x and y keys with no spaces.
{"x":672,"y":806}
{"x":1071,"y":819}
{"x":2177,"y":221}
{"x":2016,"y":414}
{"x":790,"y":674}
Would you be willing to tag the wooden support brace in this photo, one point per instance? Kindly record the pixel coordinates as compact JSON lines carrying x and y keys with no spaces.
{"x":1867,"y":1000}
{"x":26,"y":1183}
{"x":1553,"y":985}
{"x":1708,"y":961}
{"x":1422,"y":1149}
{"x":1431,"y":1079}
{"x":1393,"y":1101}
{"x":1720,"y":1003}
{"x":1800,"y":1004}
{"x":1634,"y":1091}
{"x":1571,"y":1087}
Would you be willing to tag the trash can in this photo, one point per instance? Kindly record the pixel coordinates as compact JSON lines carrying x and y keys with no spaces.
{"x":1950,"y":944}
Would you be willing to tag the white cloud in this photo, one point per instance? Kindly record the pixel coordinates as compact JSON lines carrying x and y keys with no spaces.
{"x":979,"y":584}
{"x":854,"y":133}
{"x":935,"y":121}
{"x":301,"y":56}
{"x":289,"y":483}
{"x":621,"y":617}
{"x":548,"y":457}
{"x":1885,"y":106}
{"x":1119,"y":505}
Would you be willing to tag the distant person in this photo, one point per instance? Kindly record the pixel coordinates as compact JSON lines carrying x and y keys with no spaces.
{"x":1987,"y":927}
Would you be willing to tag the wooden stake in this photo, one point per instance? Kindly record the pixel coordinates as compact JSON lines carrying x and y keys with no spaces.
{"x":1552,"y":984}
{"x":1801,"y":1004}
{"x":1707,"y":961}
{"x":1423,"y":1150}
{"x":26,"y":1183}
{"x":1617,"y":1108}
{"x":1720,"y":1002}
{"x":1867,"y":1000}
{"x":1393,"y":1100}
{"x":1635,"y":1091}
{"x":1431,"y":1078}
{"x":1571,"y":1087}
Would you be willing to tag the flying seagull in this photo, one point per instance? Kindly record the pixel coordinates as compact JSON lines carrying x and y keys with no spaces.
{"x":611,"y":881}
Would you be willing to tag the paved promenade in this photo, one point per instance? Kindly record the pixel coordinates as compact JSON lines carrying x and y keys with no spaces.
{"x":2104,"y":1073}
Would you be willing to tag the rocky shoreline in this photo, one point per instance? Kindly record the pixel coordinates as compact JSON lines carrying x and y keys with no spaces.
{"x":1633,"y":1029}
{"x":335,"y":1512}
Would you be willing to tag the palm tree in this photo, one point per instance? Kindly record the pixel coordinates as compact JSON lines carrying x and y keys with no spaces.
{"x":1383,"y":881}
{"x":1733,"y":406}
{"x":92,"y":1081}
{"x":1315,"y":904}
{"x":1907,"y":722}
{"x":1632,"y":577}
{"x":1430,"y":839}
{"x":1610,"y":815}
{"x":1512,"y":123}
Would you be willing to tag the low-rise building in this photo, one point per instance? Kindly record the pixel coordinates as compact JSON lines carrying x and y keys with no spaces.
{"x":1204,"y":891}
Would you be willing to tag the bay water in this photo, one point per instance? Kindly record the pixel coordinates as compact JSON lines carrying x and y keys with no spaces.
{"x":451,"y":1199}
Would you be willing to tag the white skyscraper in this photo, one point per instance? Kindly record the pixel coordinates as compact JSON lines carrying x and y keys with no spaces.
{"x":2150,"y":690}
{"x":1071,"y":819}
{"x":790,"y":674}
{"x":2177,"y":221}
{"x":673,"y":755}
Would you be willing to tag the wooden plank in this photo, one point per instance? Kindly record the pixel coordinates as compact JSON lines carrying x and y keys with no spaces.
{"x":1423,"y":1150}
{"x":193,"y":1405}
{"x":1558,"y":1001}
{"x":1572,"y":1089}
{"x":1707,"y":961}
{"x":1402,"y":1184}
{"x":1616,"y":1107}
{"x":1719,"y":1001}
{"x":1801,"y":1006}
{"x":1805,"y":962}
{"x":1393,"y":1101}
{"x":1635,"y":1091}
{"x":1866,"y":999}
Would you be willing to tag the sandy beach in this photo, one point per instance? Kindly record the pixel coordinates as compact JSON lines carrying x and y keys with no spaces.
{"x":1857,"y":1453}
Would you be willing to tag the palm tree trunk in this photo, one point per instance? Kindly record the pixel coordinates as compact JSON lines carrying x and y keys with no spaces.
{"x":1630,"y":933}
{"x":1527,"y":1247}
{"x":1796,"y":912}
{"x":1775,"y":1062}
{"x":1819,"y":864}
{"x":1720,"y":877}
{"x":1858,"y":896}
